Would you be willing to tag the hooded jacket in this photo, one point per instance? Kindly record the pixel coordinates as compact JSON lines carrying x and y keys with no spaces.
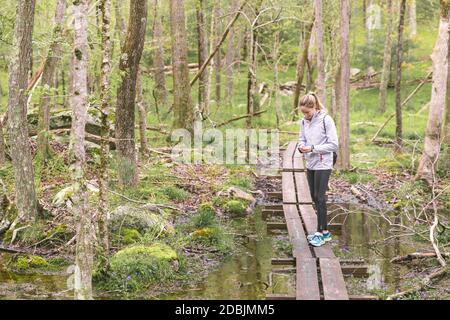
{"x":324,"y":139}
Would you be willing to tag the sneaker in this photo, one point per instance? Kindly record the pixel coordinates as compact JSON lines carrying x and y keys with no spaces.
{"x":311,"y":236}
{"x":327,"y":237}
{"x":317,"y":240}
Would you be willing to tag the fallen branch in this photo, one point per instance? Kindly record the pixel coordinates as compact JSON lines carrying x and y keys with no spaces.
{"x":403,"y":104}
{"x":424,"y":283}
{"x":416,"y":255}
{"x":239,"y":118}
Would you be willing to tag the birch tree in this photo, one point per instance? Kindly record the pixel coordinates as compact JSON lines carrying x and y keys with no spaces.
{"x":79,"y":104}
{"x":433,"y":135}
{"x":344,"y":92}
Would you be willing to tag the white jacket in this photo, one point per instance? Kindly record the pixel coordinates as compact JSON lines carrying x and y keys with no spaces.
{"x":321,"y":133}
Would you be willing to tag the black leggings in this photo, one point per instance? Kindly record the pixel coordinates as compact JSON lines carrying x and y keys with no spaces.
{"x":318,"y":185}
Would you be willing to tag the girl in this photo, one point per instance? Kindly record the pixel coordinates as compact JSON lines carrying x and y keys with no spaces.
{"x":319,"y":143}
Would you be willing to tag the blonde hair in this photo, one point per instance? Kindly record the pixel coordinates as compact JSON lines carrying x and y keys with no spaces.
{"x":312,"y":101}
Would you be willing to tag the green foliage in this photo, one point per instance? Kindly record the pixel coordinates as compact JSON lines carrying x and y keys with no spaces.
{"x":214,"y":236}
{"x":206,"y":216}
{"x":235,"y":206}
{"x":357,"y":177}
{"x":137,"y":267}
{"x":176,"y":194}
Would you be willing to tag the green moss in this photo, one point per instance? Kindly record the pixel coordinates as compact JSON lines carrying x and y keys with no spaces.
{"x":38,"y":262}
{"x":214,"y":236}
{"x":235,"y":207}
{"x":26,"y":263}
{"x":130,"y":236}
{"x":135,"y":268}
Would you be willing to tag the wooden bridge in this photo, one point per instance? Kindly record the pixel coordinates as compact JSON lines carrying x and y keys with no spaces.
{"x":319,"y":274}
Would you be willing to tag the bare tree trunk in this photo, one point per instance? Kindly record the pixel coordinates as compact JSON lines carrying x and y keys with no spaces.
{"x":126,"y":93}
{"x":301,"y":68}
{"x":251,"y":84}
{"x":2,"y":144}
{"x":17,"y":111}
{"x":387,"y":58}
{"x":105,"y":97}
{"x":229,"y":60}
{"x":344,"y":134}
{"x":142,"y":115}
{"x":321,"y":75}
{"x":120,"y":27}
{"x":412,"y":18}
{"x":276,"y":82}
{"x":432,"y":145}
{"x":48,"y":75}
{"x":79,"y":102}
{"x":218,"y":56}
{"x":182,"y":105}
{"x":398,"y":97}
{"x":158,"y":59}
{"x":203,"y":85}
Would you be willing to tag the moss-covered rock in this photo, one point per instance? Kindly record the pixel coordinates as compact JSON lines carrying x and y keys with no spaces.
{"x":130,"y":236}
{"x":137,"y":267}
{"x":141,"y":219}
{"x":26,"y":263}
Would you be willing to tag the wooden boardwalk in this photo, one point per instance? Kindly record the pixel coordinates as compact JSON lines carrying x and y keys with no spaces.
{"x":318,"y":271}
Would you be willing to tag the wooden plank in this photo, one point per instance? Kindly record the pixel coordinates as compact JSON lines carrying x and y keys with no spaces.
{"x":273,"y":207}
{"x":275,"y":195}
{"x":357,"y":272}
{"x":300,"y":245}
{"x":279,"y":297}
{"x":289,"y":297}
{"x":290,"y":211}
{"x":288,"y":155}
{"x":293,"y":170}
{"x":276,"y":226}
{"x":301,"y":183}
{"x":332,"y":280}
{"x":283,"y":261}
{"x":307,"y":285}
{"x":288,"y":188}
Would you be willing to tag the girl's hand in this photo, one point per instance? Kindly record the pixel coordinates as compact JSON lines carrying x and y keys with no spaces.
{"x":305,"y":149}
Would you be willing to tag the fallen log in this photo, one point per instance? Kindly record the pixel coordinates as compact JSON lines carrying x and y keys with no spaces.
{"x":416,"y":255}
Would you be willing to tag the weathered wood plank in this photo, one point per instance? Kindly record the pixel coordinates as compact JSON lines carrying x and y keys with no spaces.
{"x":288,"y":155}
{"x":332,"y":280}
{"x":288,"y":188}
{"x":289,"y":297}
{"x":301,"y":183}
{"x":298,"y":239}
{"x":307,"y":285}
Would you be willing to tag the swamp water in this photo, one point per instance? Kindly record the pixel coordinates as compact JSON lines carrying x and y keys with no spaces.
{"x":246,"y":273}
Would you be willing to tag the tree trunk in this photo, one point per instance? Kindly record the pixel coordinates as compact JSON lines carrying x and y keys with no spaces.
{"x":158,"y":59}
{"x":433,"y":136}
{"x":412,"y":18}
{"x":2,"y":144}
{"x":301,"y":68}
{"x":321,"y":75}
{"x":276,"y":82}
{"x":203,"y":84}
{"x":218,"y":56}
{"x":398,"y":97}
{"x":344,"y":93}
{"x":17,"y":111}
{"x":120,"y":27}
{"x":182,"y":103}
{"x":387,"y":58}
{"x":79,"y":103}
{"x":47,"y":81}
{"x":140,"y":101}
{"x":126,"y":93}
{"x":229,"y":60}
{"x":105,"y":97}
